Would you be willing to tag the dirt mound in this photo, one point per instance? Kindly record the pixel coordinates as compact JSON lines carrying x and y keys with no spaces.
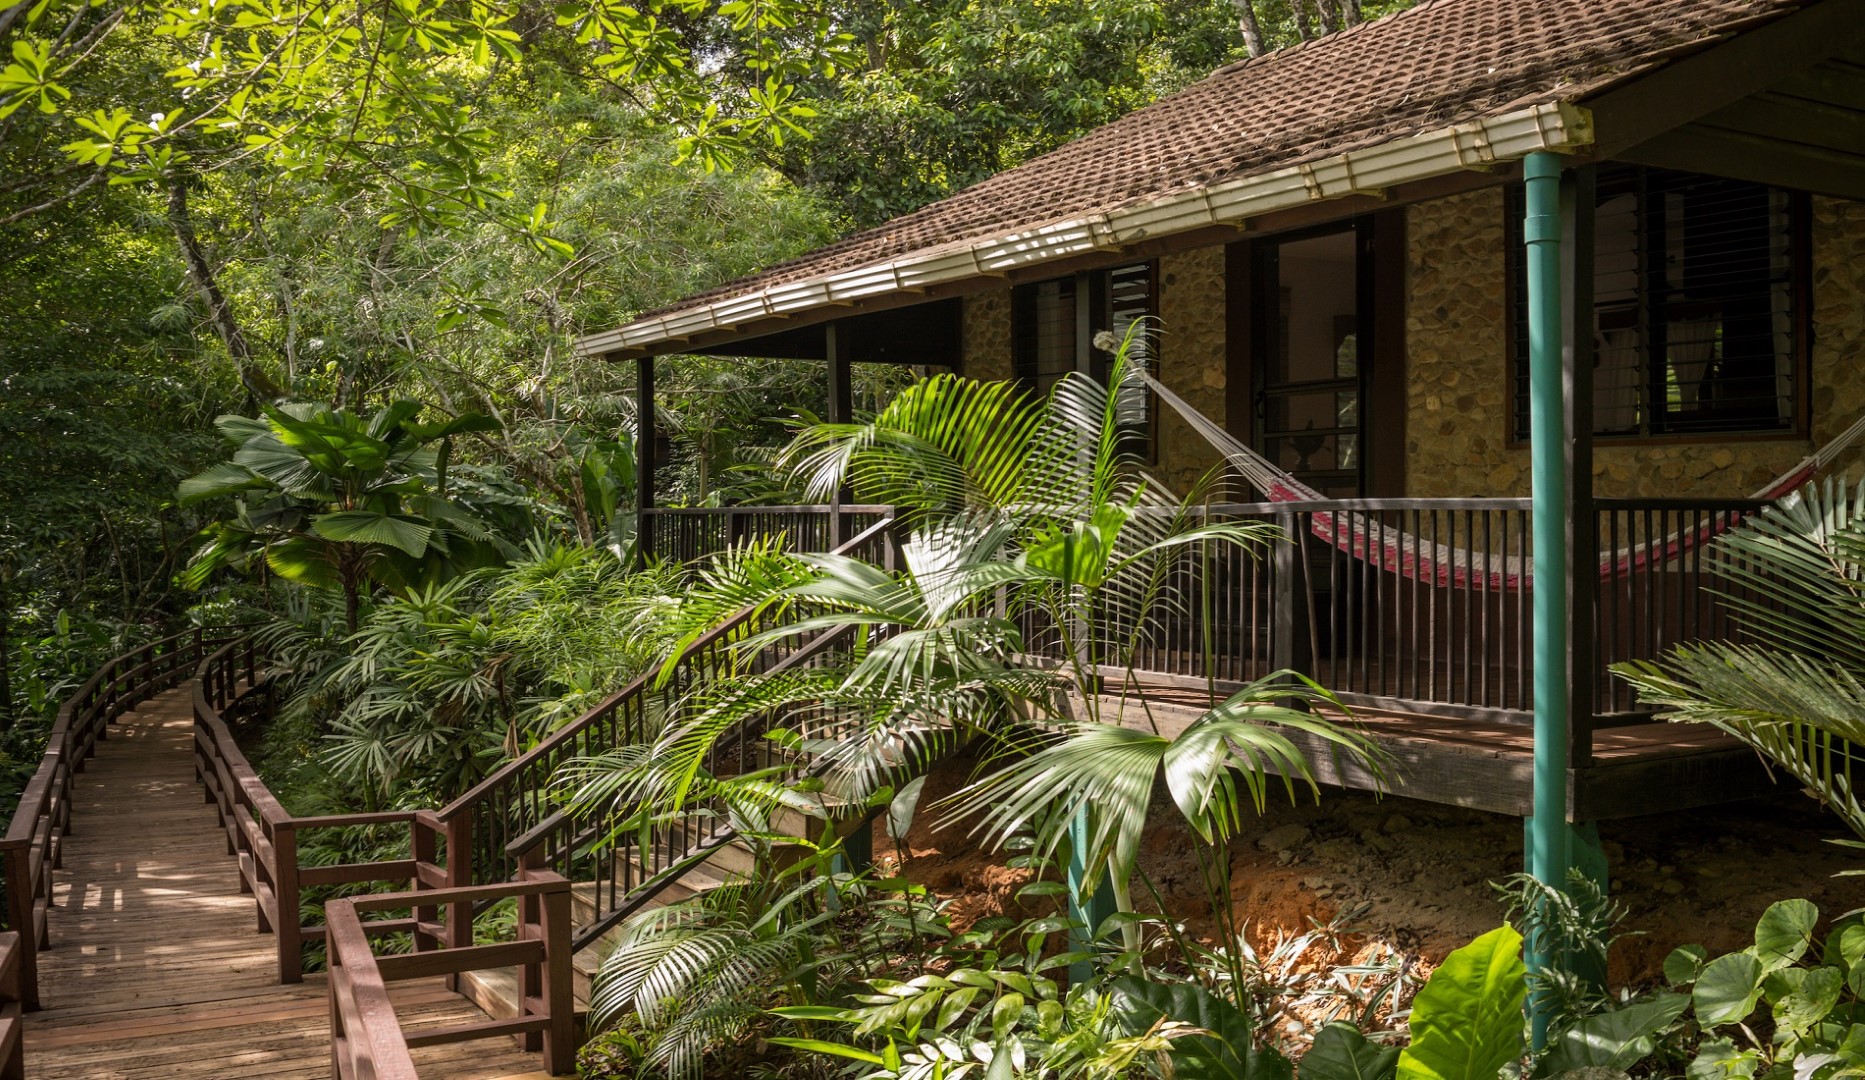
{"x":1701,"y":876}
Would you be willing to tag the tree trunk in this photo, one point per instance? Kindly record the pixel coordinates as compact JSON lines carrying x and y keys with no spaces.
{"x":1303,"y":28}
{"x":1350,"y":13}
{"x":219,"y":311}
{"x":1252,"y":30}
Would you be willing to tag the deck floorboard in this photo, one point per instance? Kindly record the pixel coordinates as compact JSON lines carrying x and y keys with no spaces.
{"x":157,"y":967}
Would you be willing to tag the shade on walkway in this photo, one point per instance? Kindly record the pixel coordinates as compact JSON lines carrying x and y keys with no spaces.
{"x":157,"y":967}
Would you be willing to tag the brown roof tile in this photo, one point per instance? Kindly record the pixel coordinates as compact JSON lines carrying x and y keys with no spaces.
{"x":1440,"y":63}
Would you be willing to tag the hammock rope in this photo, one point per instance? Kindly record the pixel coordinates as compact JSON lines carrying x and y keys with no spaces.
{"x":1449,"y":566}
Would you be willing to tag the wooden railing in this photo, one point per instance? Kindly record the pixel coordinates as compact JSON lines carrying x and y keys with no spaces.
{"x":689,"y":534}
{"x":511,"y":812}
{"x":367,"y":1040}
{"x":1425,"y":605}
{"x":43,"y":817}
{"x":265,"y":837}
{"x":12,"y":1052}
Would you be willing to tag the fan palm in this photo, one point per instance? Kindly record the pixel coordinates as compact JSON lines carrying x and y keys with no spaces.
{"x":1799,"y":572}
{"x":334,"y":500}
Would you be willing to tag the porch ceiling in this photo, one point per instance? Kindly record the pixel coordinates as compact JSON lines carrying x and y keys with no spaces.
{"x":1805,"y":132}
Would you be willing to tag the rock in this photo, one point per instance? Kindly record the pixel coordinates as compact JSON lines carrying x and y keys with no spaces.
{"x":1722,"y":459}
{"x":1339,"y":849}
{"x":1283,"y":838}
{"x":1398,"y":823}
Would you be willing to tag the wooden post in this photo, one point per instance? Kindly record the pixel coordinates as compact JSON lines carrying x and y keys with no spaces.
{"x":422,"y":848}
{"x":19,"y":904}
{"x":559,"y":1004}
{"x":459,"y":932}
{"x":644,"y":459}
{"x":841,"y":411}
{"x":531,"y":927}
{"x":285,"y":897}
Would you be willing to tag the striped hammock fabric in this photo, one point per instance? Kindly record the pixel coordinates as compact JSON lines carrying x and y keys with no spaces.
{"x":1450,"y":566}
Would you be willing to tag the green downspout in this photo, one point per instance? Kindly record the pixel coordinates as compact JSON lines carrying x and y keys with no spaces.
{"x":1547,"y":829}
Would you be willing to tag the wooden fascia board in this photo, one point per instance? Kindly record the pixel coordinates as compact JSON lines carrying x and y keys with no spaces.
{"x":1722,"y":74}
{"x":1300,"y":217}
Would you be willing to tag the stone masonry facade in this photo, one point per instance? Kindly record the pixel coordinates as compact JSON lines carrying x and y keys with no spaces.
{"x":1458,"y":396}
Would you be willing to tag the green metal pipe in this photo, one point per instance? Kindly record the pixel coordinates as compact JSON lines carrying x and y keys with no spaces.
{"x":1548,"y":828}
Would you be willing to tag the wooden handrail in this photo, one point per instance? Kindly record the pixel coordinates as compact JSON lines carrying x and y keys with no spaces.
{"x":32,"y":846}
{"x":367,"y":1040}
{"x":12,"y":1051}
{"x":264,"y":836}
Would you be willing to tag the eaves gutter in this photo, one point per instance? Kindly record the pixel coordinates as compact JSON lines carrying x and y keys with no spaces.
{"x":1559,"y":126}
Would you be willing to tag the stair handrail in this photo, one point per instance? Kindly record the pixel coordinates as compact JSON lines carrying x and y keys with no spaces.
{"x":520,"y":784}
{"x":32,"y":846}
{"x":526,"y":847}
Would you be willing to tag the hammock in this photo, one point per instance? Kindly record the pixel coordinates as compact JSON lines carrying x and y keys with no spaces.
{"x":1449,"y":566}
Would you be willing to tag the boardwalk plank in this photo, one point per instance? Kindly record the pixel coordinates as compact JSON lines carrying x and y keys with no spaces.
{"x":157,"y":969}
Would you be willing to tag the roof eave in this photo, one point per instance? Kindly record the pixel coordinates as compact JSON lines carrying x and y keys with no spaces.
{"x":1559,"y":126}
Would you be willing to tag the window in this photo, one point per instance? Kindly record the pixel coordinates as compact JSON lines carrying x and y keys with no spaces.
{"x":1696,"y":325}
{"x":1043,"y":325}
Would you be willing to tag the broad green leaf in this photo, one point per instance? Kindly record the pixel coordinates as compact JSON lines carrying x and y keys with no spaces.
{"x":1784,"y":933}
{"x":1227,"y":1053}
{"x":1685,"y":963}
{"x":1728,"y":990}
{"x":1467,"y":1021}
{"x":1811,"y":1000}
{"x":1612,"y":1040}
{"x":1340,"y":1052}
{"x":223,"y":479}
{"x":1845,"y":945}
{"x":365,"y":527}
{"x":1718,"y":1059}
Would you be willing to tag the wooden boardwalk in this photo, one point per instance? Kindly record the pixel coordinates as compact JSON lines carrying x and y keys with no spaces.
{"x":157,"y":967}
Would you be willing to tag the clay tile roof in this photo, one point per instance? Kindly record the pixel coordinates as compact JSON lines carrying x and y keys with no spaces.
{"x":1440,"y":63}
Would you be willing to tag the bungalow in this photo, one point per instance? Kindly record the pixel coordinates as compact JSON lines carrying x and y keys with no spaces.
{"x":1336,"y":241}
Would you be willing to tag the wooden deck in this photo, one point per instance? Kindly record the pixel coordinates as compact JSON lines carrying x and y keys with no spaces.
{"x":157,"y":967}
{"x":1636,"y":769}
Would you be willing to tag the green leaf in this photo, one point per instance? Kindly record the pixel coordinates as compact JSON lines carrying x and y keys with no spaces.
{"x":900,"y":810}
{"x":366,"y":527}
{"x":1718,"y":1059}
{"x":1685,"y":963}
{"x":1845,"y":944}
{"x":1227,"y":1053}
{"x":1728,"y":990}
{"x":834,"y":1049}
{"x":1813,"y":997}
{"x":1784,"y":933}
{"x":1613,"y":1040}
{"x":1340,"y":1052}
{"x":222,"y":479}
{"x":1467,"y":1021}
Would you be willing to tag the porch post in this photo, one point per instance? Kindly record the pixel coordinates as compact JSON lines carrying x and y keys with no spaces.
{"x":841,"y":411}
{"x":644,"y":459}
{"x":1547,"y":855}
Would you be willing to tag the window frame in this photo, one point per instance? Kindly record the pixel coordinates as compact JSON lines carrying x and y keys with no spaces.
{"x":1800,"y":315}
{"x":1100,"y":300}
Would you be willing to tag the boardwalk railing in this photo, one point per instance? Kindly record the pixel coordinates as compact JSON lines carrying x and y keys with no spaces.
{"x":12,"y":1052}
{"x":367,"y":1041}
{"x":43,"y":817}
{"x":264,"y":836}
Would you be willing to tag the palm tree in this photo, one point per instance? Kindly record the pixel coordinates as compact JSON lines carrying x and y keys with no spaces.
{"x":1021,"y":513}
{"x":1799,"y":567}
{"x":334,"y":500}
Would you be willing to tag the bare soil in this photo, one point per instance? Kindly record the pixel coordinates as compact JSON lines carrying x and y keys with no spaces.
{"x":1698,"y":876}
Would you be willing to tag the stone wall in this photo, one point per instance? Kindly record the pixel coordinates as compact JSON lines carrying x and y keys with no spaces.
{"x":1191,"y":360}
{"x":987,"y":335}
{"x":1459,"y":397}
